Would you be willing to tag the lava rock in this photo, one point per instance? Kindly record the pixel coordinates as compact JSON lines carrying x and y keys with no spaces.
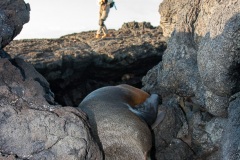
{"x":201,"y":68}
{"x":13,"y":15}
{"x":77,"y":64}
{"x":31,"y":126}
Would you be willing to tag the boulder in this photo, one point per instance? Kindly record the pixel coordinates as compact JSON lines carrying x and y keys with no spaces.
{"x":200,"y":71}
{"x":13,"y":15}
{"x":32,"y":127}
{"x":231,"y":139}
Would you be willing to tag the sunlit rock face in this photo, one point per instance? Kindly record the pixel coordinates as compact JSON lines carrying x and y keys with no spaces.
{"x":199,"y":74}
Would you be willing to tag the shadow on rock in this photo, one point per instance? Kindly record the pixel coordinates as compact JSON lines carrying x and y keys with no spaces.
{"x":197,"y":82}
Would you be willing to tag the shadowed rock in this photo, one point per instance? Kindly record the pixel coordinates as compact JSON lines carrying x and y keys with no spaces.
{"x":200,"y":72}
{"x":77,"y":64}
{"x":32,"y":128}
{"x":13,"y":15}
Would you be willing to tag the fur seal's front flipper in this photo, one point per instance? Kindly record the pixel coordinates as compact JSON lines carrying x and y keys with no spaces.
{"x":160,"y":117}
{"x":148,"y":110}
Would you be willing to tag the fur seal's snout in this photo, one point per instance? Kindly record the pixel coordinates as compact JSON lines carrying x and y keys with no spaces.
{"x":120,"y":117}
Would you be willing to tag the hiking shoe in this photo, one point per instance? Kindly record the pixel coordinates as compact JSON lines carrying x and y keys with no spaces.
{"x":97,"y":35}
{"x":106,"y":35}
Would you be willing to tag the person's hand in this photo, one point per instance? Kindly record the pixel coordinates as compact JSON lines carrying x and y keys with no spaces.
{"x":104,"y":7}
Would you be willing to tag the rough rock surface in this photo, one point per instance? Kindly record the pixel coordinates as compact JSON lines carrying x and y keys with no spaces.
{"x":13,"y":15}
{"x":199,"y":74}
{"x":31,"y":125}
{"x":232,"y":130}
{"x":32,"y":128}
{"x":198,"y":79}
{"x":77,"y":64}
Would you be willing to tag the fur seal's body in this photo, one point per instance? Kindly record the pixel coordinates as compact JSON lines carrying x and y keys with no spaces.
{"x":118,"y":128}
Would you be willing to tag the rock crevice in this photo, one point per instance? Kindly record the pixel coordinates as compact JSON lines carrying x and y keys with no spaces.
{"x":77,"y":64}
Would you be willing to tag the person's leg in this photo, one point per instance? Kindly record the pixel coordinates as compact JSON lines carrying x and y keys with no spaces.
{"x":104,"y":17}
{"x":98,"y":32}
{"x":104,"y":29}
{"x":101,"y":25}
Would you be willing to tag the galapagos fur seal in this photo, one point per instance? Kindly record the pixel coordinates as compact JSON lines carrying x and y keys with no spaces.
{"x":120,"y":117}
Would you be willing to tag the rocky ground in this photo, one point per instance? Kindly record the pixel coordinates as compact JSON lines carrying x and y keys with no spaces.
{"x":79,"y":63}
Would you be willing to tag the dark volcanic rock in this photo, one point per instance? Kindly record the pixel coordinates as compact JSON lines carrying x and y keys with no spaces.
{"x":77,"y":64}
{"x":200,"y":71}
{"x":167,"y":144}
{"x":31,"y":128}
{"x":22,"y":85}
{"x":13,"y":15}
{"x":198,"y":79}
{"x":230,"y":145}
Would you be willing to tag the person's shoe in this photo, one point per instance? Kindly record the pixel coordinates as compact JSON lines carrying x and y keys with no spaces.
{"x":97,"y":35}
{"x":106,"y":35}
